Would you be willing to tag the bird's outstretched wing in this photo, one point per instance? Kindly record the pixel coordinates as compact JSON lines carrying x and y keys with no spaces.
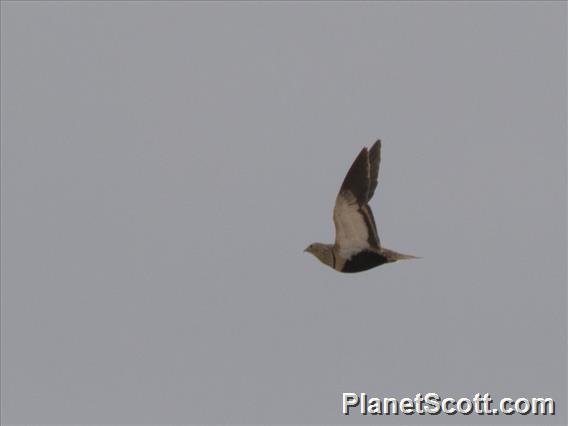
{"x":355,"y":227}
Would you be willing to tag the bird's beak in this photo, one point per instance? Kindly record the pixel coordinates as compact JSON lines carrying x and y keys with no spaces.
{"x":306,"y":249}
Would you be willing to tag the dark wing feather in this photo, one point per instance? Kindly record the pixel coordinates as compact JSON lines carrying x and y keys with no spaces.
{"x":374,"y":162}
{"x":370,"y":220}
{"x":357,"y":179}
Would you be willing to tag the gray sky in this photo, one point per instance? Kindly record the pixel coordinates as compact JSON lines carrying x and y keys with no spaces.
{"x":165,"y":164}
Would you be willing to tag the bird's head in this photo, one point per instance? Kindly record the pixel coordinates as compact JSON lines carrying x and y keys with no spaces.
{"x":322,"y":252}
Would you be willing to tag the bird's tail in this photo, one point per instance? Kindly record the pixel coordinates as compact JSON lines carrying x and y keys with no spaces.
{"x":393,"y":255}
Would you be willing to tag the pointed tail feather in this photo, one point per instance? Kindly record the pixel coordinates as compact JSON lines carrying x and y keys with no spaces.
{"x":407,"y":256}
{"x":393,"y":255}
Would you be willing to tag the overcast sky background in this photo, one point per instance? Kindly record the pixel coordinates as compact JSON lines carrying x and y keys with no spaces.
{"x":165,"y":164}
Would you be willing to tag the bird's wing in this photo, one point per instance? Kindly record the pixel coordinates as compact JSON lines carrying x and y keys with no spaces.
{"x":355,"y":227}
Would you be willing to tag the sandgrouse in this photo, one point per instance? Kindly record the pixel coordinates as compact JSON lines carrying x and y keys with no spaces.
{"x":357,"y":247}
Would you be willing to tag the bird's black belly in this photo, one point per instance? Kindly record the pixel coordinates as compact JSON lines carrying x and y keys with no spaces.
{"x":363,"y":260}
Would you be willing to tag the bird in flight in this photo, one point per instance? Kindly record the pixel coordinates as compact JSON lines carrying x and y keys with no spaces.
{"x":357,"y":246}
